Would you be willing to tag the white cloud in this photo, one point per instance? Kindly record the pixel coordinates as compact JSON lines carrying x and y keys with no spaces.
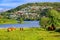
{"x":10,"y":4}
{"x":6,"y":6}
{"x":1,"y":8}
{"x":15,"y":3}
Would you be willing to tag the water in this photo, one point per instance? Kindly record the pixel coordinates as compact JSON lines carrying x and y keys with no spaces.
{"x":26,"y":24}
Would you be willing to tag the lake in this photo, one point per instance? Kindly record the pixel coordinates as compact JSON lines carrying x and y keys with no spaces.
{"x":24,"y":25}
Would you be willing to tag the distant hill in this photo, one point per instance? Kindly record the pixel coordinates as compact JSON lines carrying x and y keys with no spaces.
{"x":55,"y":5}
{"x":30,"y":11}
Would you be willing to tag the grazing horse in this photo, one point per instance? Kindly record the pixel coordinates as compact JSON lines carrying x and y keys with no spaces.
{"x":51,"y":28}
{"x":21,"y":29}
{"x":11,"y":29}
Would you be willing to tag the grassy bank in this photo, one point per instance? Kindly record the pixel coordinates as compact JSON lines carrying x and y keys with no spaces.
{"x":8,"y":21}
{"x":29,"y":34}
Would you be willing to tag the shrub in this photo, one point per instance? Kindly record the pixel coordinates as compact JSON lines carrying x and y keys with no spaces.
{"x":57,"y":30}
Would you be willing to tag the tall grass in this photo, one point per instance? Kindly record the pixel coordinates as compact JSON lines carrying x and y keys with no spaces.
{"x":28,"y":34}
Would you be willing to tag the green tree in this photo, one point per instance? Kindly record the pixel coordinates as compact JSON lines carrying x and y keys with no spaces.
{"x":54,"y":17}
{"x":21,"y":20}
{"x":44,"y":21}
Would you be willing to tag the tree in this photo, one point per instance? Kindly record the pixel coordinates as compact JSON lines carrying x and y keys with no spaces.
{"x":21,"y":20}
{"x":52,"y":17}
{"x":44,"y":21}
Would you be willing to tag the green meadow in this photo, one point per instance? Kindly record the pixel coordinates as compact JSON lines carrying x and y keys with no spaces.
{"x":7,"y":21}
{"x":29,"y":34}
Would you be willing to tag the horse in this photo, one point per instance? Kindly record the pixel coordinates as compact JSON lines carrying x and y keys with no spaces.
{"x":21,"y":29}
{"x":51,"y":28}
{"x":11,"y":29}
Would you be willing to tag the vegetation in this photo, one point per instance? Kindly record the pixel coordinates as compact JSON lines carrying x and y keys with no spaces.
{"x":21,"y":20}
{"x":7,"y":21}
{"x":51,"y":13}
{"x":51,"y":17}
{"x":47,"y":17}
{"x":57,"y":30}
{"x":55,"y":5}
{"x":54,"y":17}
{"x":29,"y":34}
{"x":44,"y":21}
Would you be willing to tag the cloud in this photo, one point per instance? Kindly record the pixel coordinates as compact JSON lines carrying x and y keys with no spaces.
{"x":1,"y":8}
{"x":14,"y":3}
{"x":9,"y":4}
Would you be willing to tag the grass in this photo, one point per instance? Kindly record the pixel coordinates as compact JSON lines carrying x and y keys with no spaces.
{"x":8,"y":21}
{"x":29,"y":34}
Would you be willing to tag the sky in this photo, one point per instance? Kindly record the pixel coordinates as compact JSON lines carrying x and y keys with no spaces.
{"x":9,"y":4}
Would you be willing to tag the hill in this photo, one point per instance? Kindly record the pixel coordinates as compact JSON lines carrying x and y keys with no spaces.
{"x":55,"y":5}
{"x":29,"y":11}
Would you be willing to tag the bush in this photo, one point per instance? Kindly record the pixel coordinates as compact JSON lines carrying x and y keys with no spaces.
{"x":57,"y":30}
{"x":44,"y":21}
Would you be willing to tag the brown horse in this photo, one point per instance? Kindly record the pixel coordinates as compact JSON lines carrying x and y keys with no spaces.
{"x":51,"y":28}
{"x":11,"y":29}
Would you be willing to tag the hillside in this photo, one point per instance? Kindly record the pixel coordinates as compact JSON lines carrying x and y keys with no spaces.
{"x":55,"y":5}
{"x":30,"y":11}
